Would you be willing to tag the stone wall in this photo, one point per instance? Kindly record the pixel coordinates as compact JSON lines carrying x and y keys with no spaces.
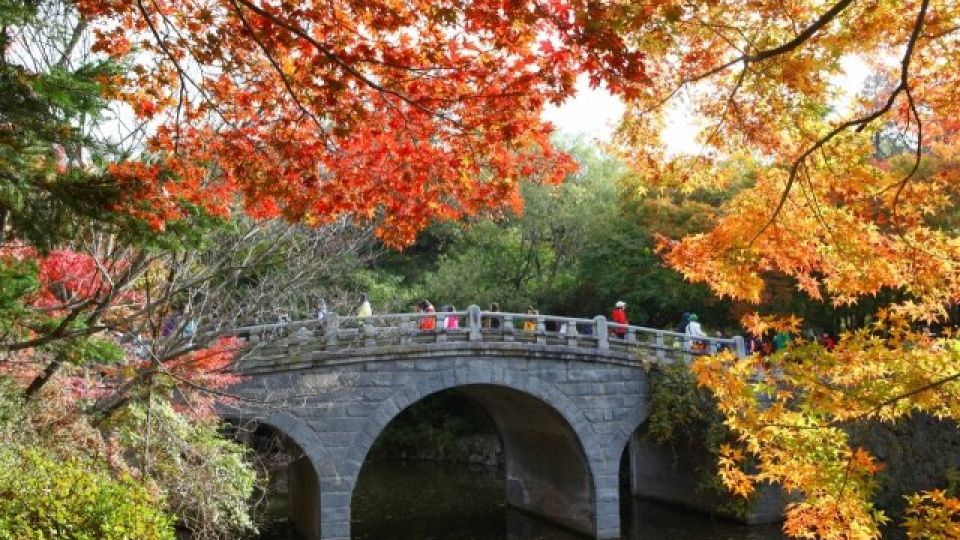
{"x":675,"y":474}
{"x":917,"y":452}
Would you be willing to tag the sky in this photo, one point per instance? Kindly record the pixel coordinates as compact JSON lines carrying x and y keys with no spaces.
{"x":593,"y":112}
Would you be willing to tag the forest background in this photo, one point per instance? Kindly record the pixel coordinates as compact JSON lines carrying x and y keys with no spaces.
{"x":170,"y":170}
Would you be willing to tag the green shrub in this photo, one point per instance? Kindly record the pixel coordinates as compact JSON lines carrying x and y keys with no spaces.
{"x":206,"y":477}
{"x":42,"y":497}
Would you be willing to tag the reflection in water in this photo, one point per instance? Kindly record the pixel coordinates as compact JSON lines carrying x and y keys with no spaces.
{"x":422,"y":501}
{"x":647,"y":520}
{"x":429,"y":501}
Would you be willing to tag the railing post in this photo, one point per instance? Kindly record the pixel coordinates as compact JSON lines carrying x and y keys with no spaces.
{"x":333,"y":329}
{"x":440,"y":328}
{"x":600,"y":330}
{"x":406,"y":328}
{"x":658,"y":343}
{"x":739,"y":347}
{"x":473,"y":319}
{"x":571,"y":333}
{"x":541,"y":330}
{"x":506,"y":325}
{"x":368,"y":332}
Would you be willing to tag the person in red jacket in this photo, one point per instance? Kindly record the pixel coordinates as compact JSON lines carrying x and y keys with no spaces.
{"x":619,"y":316}
{"x":427,"y":323}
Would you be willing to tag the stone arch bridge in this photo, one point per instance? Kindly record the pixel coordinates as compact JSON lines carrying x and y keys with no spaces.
{"x":565,"y":395}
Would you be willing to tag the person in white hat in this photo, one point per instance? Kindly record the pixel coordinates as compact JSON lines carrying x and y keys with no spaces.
{"x":619,"y":316}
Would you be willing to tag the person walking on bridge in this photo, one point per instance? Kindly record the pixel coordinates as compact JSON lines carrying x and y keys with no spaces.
{"x":491,"y":322}
{"x":684,"y":321}
{"x":364,"y":310}
{"x":451,"y":322}
{"x":530,"y":323}
{"x":694,"y":330}
{"x":427,"y":323}
{"x":619,"y":316}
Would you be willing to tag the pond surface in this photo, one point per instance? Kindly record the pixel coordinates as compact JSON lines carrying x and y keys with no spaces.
{"x":424,"y":501}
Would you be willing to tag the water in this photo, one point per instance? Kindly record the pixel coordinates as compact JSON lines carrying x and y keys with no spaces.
{"x":421,"y":501}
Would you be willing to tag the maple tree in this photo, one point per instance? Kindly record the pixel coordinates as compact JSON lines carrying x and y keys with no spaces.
{"x":849,"y":195}
{"x":401,"y":113}
{"x":404,"y":113}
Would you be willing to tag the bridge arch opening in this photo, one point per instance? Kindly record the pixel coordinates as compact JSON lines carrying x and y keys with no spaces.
{"x":543,"y":468}
{"x":288,"y":501}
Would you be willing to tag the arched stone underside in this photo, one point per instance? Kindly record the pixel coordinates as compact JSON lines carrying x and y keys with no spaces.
{"x":302,"y":475}
{"x":547,"y":470}
{"x":546,"y":467}
{"x":563,"y":423}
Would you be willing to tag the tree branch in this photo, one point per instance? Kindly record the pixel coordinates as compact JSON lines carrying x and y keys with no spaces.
{"x":859,"y":123}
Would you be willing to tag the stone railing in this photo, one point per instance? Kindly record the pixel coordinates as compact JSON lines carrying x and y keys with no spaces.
{"x":338,"y":334}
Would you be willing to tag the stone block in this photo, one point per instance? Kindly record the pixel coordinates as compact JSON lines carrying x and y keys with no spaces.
{"x":476,"y":374}
{"x":577,"y":389}
{"x":430,"y":385}
{"x":364,"y":441}
{"x":620,"y":413}
{"x":553,"y":376}
{"x":319,"y":381}
{"x":377,"y":393}
{"x":449,"y":378}
{"x":431,"y":364}
{"x":341,"y":439}
{"x":387,"y":411}
{"x":342,"y":424}
{"x":594,"y":415}
{"x":335,"y":499}
{"x":361,"y":409}
{"x":378,"y":379}
{"x":380,"y":419}
{"x":589,"y":374}
{"x":332,"y":484}
{"x":333,"y":514}
{"x":410,"y":394}
{"x":334,"y":530}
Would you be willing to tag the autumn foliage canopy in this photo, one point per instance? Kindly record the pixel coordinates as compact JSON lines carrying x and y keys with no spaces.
{"x":403,"y":113}
{"x":847,"y":190}
{"x":400,"y":113}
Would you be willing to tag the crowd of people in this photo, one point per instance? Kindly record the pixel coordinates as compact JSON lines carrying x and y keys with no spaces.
{"x":430,"y":319}
{"x":180,"y":321}
{"x":772,"y":342}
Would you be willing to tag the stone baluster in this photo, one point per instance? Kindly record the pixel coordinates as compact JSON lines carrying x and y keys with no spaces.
{"x":571,"y":333}
{"x":601,"y":332}
{"x":474,"y":322}
{"x":541,"y":330}
{"x":332,"y":333}
{"x":440,"y":329}
{"x":739,"y":347}
{"x":506,"y":324}
{"x":658,"y":343}
{"x":632,"y":336}
{"x":369,"y":332}
{"x":407,"y":326}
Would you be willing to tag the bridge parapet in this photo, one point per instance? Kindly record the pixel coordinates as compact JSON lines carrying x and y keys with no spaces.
{"x":336,"y":337}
